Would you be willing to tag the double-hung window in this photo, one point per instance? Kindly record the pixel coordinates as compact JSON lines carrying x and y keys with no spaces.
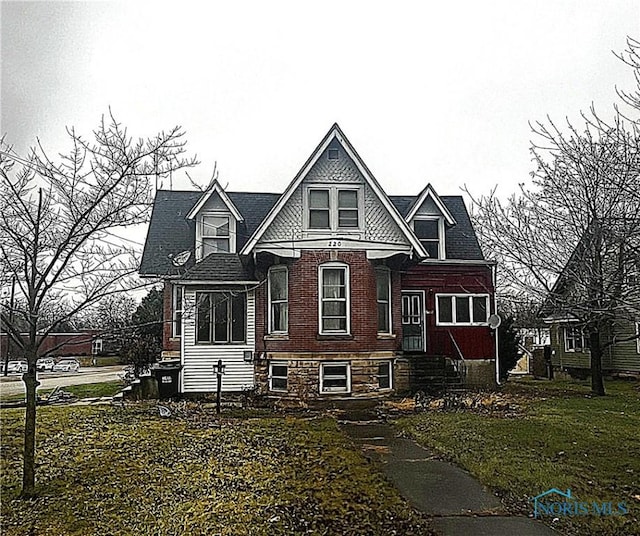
{"x":221,"y":317}
{"x":462,"y":309}
{"x":335,"y":378}
{"x":177,"y":311}
{"x":575,"y":340}
{"x":214,"y":233}
{"x":334,"y":299}
{"x":428,"y":232}
{"x":383,"y":292}
{"x":278,"y":300}
{"x":333,"y":208}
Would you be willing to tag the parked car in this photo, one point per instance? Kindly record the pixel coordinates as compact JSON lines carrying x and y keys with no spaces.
{"x":17,"y":366}
{"x":66,"y":365}
{"x":45,"y":363}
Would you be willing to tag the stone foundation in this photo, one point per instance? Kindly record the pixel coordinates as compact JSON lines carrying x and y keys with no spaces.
{"x":480,"y":373}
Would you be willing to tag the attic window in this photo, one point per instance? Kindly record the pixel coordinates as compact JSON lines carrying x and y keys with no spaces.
{"x":215,"y":234}
{"x":428,"y":232}
{"x":332,"y":154}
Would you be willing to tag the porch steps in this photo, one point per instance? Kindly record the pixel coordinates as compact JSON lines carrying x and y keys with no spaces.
{"x":433,"y":373}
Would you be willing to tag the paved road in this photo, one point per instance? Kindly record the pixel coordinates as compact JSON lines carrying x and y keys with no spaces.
{"x":13,"y":385}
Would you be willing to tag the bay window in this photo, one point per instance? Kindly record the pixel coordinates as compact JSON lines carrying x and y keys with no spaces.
{"x":383,"y":292}
{"x":334,"y":298}
{"x":278,"y":300}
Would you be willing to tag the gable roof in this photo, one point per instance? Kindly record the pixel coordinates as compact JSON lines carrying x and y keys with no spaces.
{"x":461,"y":240}
{"x":422,"y":197}
{"x":214,"y":187}
{"x":336,"y":133}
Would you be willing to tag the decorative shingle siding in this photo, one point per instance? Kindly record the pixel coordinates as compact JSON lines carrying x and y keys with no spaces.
{"x":379,"y":225}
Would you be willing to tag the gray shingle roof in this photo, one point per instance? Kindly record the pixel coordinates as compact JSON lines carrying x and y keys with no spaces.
{"x":461,"y":240}
{"x":221,"y":267}
{"x":170,"y":233}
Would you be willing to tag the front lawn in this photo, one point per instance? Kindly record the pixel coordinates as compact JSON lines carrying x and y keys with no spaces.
{"x":110,"y":470}
{"x":83,"y":390}
{"x":559,"y":436}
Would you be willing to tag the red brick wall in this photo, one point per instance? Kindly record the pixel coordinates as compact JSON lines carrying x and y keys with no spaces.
{"x":303,"y":308}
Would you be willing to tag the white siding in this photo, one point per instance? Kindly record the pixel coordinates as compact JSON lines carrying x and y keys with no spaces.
{"x":198,"y":359}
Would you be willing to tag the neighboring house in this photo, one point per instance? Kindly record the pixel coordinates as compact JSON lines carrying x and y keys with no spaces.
{"x":330,"y":289}
{"x":83,"y":342}
{"x":568,"y":338}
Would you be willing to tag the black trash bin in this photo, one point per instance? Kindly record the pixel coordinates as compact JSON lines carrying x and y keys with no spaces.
{"x":168,"y":378}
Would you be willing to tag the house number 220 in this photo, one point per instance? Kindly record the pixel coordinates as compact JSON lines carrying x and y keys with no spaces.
{"x":335,"y":243}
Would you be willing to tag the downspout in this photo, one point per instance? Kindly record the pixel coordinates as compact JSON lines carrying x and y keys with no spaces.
{"x":494,"y":276}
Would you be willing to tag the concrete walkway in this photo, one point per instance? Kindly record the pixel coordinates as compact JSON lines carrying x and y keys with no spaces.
{"x":458,"y":503}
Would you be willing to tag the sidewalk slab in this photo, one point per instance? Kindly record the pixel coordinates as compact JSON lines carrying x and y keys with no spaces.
{"x":459,"y":504}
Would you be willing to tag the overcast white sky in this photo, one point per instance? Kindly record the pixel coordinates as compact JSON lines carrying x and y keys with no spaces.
{"x":437,"y":92}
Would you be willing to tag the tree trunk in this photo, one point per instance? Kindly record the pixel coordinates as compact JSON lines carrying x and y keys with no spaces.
{"x":29,"y":453}
{"x":597,"y":383}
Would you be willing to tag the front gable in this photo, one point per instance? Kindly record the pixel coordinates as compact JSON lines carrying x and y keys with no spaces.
{"x":216,"y":222}
{"x":429,"y":218}
{"x":334,"y":202}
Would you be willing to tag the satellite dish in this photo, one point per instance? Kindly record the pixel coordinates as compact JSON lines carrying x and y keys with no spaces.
{"x":494,"y":321}
{"x":181,"y":258}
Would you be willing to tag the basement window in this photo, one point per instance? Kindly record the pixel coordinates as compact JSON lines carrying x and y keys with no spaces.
{"x":278,"y":376}
{"x":335,"y":378}
{"x":384,"y":375}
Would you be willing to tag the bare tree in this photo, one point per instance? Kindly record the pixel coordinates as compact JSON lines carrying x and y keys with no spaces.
{"x":571,"y":240}
{"x":59,"y":225}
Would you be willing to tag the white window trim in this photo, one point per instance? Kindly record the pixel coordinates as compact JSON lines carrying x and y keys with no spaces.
{"x":278,"y":364}
{"x":333,"y":208}
{"x":347,"y":293}
{"x":337,"y":364}
{"x":175,"y":308}
{"x":638,"y":339}
{"x":453,"y":309}
{"x":390,"y":365}
{"x":441,"y":233}
{"x":385,"y":270}
{"x":200,"y":235}
{"x":211,"y":341}
{"x":565,"y":332}
{"x":277,"y":268}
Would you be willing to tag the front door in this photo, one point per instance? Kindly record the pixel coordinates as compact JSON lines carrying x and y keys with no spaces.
{"x":413,"y":322}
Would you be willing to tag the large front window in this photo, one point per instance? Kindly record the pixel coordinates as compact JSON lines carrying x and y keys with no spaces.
{"x":215,"y":234}
{"x":462,"y":309}
{"x":333,"y":208}
{"x":334,"y":299}
{"x":221,"y":317}
{"x":278,"y":300}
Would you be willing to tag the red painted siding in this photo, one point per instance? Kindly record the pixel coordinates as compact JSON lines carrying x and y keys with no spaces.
{"x":475,"y":342}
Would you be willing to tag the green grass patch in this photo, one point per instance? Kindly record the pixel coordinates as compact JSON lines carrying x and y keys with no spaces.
{"x":108,"y":470}
{"x":87,"y":390}
{"x":562,"y":438}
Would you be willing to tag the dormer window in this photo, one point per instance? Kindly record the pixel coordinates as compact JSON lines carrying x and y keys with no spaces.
{"x":429,"y":232}
{"x":215,"y":234}
{"x":334,"y":208}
